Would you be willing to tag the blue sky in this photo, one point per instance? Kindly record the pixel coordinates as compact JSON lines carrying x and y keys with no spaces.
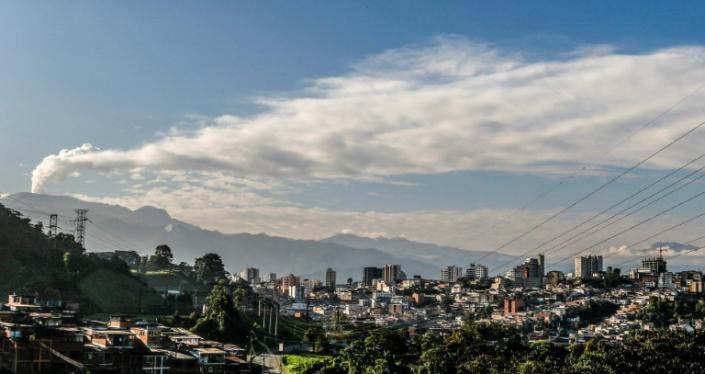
{"x":124,"y":75}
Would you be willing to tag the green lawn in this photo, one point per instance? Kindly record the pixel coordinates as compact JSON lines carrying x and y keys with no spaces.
{"x":292,"y":361}
{"x":119,"y":293}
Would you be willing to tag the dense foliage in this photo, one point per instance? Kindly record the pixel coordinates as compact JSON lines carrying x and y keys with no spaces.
{"x":662,"y":312}
{"x":209,"y":268}
{"x":161,"y":259}
{"x":224,"y":317}
{"x":493,"y":348}
{"x":50,"y":267}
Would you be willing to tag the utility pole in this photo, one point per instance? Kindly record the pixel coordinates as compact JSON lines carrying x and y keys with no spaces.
{"x":276,"y":324}
{"x":53,"y":231}
{"x":80,"y":222}
{"x":270,"y":319}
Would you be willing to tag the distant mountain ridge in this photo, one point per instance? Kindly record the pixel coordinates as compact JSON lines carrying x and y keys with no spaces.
{"x":115,"y":227}
{"x":437,"y":255}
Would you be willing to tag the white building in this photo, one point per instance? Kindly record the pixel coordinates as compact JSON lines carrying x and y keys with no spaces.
{"x":477,"y":271}
{"x":587,"y":266}
{"x":297,"y":292}
{"x":451,"y":273}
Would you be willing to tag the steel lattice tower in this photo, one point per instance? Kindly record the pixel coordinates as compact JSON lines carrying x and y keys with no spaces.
{"x":53,"y":225}
{"x":80,"y":222}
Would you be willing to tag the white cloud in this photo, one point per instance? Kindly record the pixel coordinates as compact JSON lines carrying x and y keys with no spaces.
{"x":445,"y":106}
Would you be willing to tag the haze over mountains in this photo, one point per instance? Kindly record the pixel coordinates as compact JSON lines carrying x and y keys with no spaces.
{"x":115,"y":227}
{"x":426,"y":252}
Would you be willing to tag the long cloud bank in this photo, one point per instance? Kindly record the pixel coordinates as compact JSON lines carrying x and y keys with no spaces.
{"x":445,"y":106}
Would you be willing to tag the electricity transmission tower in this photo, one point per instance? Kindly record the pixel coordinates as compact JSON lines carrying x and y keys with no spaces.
{"x":53,"y":225}
{"x":80,"y":222}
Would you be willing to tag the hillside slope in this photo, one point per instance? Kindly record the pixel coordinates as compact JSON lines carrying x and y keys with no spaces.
{"x":57,"y":268}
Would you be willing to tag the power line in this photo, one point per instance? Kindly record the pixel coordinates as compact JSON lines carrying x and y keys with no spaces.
{"x":91,"y":236}
{"x":550,"y":190}
{"x":670,"y":257}
{"x":673,"y":227}
{"x":595,"y":191}
{"x":565,"y":243}
{"x":621,"y":201}
{"x":607,"y":220}
{"x":561,"y":245}
{"x":633,"y":226}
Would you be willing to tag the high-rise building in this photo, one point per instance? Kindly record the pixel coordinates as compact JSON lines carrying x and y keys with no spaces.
{"x":288,"y":281}
{"x":270,"y":277}
{"x":529,"y":274}
{"x":391,"y":273}
{"x":311,"y":284}
{"x":587,"y":266}
{"x":330,"y":278}
{"x":297,"y":292}
{"x":451,"y":273}
{"x":251,"y":275}
{"x":532,"y":268}
{"x":655,"y":264}
{"x":554,"y":277}
{"x":514,"y":274}
{"x":371,"y":273}
{"x":476,"y":271}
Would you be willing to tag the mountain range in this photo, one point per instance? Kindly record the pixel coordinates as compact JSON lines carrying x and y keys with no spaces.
{"x":114,"y":227}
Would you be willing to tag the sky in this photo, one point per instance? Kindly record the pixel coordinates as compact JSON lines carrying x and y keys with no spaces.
{"x":437,"y":122}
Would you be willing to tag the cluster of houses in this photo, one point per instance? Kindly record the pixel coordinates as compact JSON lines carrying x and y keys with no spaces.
{"x":49,"y":337}
{"x":558,"y":307}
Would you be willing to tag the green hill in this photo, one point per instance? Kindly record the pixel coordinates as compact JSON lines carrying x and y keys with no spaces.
{"x":59,"y":268}
{"x":170,"y":280}
{"x":114,"y":292}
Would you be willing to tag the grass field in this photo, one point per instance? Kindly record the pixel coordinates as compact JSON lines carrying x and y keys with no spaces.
{"x":293,"y":361}
{"x":119,"y":293}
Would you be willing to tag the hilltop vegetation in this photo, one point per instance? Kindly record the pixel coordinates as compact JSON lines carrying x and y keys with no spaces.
{"x":58,"y":268}
{"x":494,"y":348}
{"x":120,"y":293}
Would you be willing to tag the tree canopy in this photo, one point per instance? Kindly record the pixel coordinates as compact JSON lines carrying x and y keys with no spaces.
{"x":494,"y":348}
{"x":209,"y":268}
{"x":162,"y":258}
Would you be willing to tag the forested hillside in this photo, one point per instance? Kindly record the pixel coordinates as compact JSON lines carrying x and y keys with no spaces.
{"x":53,"y":268}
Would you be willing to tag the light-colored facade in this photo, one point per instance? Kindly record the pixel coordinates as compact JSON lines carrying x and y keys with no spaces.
{"x":587,"y":266}
{"x":451,"y":273}
{"x":477,"y":271}
{"x":391,"y":273}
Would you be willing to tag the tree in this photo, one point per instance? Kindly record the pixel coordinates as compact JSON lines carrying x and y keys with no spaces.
{"x":436,"y":360}
{"x":321,"y":344}
{"x":162,"y":257}
{"x":220,"y":318}
{"x":69,"y":263}
{"x":209,"y":268}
